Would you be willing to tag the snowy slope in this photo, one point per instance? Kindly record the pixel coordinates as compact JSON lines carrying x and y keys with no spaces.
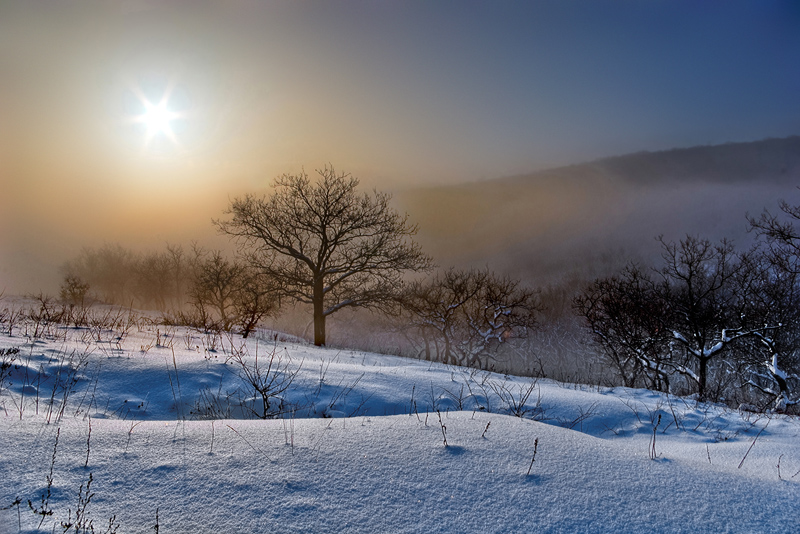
{"x":360,"y":447}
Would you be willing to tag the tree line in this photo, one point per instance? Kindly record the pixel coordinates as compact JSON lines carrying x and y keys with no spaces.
{"x":197,"y":287}
{"x":707,"y":319}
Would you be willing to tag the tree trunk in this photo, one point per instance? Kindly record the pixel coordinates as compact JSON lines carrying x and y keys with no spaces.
{"x":448,"y":356}
{"x":319,"y":312}
{"x":701,"y":379}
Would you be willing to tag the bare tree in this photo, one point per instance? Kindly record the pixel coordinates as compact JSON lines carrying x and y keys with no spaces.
{"x":700,"y":286}
{"x":504,"y":310}
{"x":435,"y":308}
{"x":461,"y":317}
{"x":226,"y":292}
{"x":772,"y":317}
{"x":781,"y":237}
{"x":216,"y":283}
{"x":724,"y":320}
{"x":629,"y":323}
{"x":326,"y":245}
{"x":777,"y":307}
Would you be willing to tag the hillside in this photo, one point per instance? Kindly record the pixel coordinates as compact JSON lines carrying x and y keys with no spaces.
{"x":770,"y":160}
{"x":590,"y":216}
{"x":158,"y":426}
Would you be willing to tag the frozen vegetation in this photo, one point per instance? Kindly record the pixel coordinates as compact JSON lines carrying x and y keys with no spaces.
{"x":124,"y":425}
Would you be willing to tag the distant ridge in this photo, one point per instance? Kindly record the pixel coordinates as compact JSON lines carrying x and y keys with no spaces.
{"x":776,"y":159}
{"x":549,"y":222}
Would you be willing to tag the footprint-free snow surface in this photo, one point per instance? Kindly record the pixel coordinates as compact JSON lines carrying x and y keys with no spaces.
{"x":162,"y":425}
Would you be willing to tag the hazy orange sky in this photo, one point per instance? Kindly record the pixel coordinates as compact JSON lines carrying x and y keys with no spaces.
{"x":399,"y":93}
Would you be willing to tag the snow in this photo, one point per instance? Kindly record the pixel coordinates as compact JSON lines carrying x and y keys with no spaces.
{"x":360,"y":446}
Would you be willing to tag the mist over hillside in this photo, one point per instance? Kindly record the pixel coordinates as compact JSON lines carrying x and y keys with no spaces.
{"x":590,"y":218}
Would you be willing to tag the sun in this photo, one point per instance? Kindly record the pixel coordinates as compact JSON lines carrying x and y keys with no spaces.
{"x":157,"y":119}
{"x":157,"y":116}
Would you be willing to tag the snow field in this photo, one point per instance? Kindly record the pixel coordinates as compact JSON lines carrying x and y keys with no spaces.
{"x":385,"y":469}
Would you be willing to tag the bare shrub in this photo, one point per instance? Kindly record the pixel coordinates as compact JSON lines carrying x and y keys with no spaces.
{"x":7,"y":358}
{"x":516,"y":398}
{"x":45,"y":315}
{"x":268,"y":376}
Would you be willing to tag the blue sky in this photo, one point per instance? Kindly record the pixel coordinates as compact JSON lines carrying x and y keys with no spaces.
{"x":411,"y":91}
{"x":508,"y":87}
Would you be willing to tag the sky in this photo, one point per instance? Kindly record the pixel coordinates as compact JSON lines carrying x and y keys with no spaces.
{"x":401,"y":94}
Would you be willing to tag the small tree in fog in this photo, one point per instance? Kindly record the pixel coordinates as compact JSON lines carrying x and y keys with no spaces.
{"x":324,"y":244}
{"x":181,"y":274}
{"x":215,"y":285}
{"x":73,"y":290}
{"x":230,"y":291}
{"x":256,"y":298}
{"x":109,"y":271}
{"x":461,"y":317}
{"x":153,"y":280}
